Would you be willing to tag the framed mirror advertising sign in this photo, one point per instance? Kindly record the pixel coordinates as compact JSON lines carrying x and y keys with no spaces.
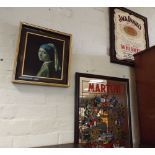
{"x":128,"y":35}
{"x":102,"y":111}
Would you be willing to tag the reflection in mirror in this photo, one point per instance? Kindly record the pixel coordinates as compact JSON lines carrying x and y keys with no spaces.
{"x":103,"y":113}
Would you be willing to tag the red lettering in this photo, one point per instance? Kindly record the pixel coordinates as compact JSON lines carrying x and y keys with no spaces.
{"x":129,"y":48}
{"x":122,"y":46}
{"x":91,"y":87}
{"x":103,"y":88}
{"x":132,"y":49}
{"x":108,"y":88}
{"x":97,"y":88}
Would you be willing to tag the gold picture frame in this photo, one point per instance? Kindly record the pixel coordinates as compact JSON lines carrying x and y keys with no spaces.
{"x":42,"y":57}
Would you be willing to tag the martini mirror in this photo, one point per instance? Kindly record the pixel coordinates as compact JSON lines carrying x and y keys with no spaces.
{"x":102,"y":111}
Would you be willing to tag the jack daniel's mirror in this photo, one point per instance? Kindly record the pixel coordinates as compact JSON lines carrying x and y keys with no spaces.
{"x":128,"y":35}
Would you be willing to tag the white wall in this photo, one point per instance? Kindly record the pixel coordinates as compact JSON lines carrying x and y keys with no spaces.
{"x":39,"y":115}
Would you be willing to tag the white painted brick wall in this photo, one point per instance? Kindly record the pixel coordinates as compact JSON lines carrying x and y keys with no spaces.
{"x":6,"y":141}
{"x":32,"y":116}
{"x":35,"y":140}
{"x":66,"y":137}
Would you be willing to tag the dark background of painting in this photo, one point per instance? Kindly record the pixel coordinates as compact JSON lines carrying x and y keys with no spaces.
{"x":28,"y":64}
{"x":32,"y":63}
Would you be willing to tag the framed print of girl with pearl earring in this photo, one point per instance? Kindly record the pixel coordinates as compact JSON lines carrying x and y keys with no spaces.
{"x":42,"y":57}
